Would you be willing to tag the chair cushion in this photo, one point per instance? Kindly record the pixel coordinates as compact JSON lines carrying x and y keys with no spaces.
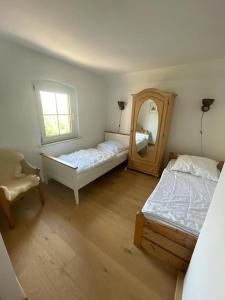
{"x":19,"y":185}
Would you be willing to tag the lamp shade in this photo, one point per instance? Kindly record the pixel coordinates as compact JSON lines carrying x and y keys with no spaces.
{"x":206,"y":103}
{"x":121,"y":105}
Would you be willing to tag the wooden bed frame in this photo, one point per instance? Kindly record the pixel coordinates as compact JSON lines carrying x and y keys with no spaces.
{"x":168,"y":243}
{"x":67,"y":174}
{"x":179,"y":286}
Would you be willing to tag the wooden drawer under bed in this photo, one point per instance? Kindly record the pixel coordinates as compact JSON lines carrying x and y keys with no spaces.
{"x":169,"y":244}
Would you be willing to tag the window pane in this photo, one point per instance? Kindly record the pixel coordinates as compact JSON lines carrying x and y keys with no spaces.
{"x":48,"y":103}
{"x":63,"y":103}
{"x":51,"y":125}
{"x":64,"y":124}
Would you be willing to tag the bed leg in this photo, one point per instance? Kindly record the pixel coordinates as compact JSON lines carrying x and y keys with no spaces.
{"x":76,"y":195}
{"x":46,"y":179}
{"x":139,"y":225}
{"x":179,"y":286}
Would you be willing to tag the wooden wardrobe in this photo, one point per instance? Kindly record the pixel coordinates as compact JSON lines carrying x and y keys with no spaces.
{"x":151,"y":113}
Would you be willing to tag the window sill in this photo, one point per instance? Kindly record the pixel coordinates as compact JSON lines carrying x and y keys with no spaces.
{"x":60,"y":142}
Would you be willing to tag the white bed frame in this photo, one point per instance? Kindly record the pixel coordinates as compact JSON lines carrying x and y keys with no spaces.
{"x":67,"y":174}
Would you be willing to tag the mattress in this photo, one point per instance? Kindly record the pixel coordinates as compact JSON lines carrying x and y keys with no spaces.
{"x":122,"y":154}
{"x":180,"y":200}
{"x":88,"y":159}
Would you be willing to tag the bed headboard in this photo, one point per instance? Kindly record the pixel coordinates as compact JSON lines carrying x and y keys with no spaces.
{"x":122,"y":138}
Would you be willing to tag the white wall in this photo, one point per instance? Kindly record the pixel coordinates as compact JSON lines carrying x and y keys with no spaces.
{"x":205,"y":277}
{"x":18,"y":116}
{"x":192,"y":83}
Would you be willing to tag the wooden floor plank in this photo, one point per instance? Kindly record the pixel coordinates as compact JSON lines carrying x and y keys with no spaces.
{"x":64,"y":251}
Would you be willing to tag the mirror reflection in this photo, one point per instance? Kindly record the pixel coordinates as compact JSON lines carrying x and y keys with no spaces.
{"x":147,"y":128}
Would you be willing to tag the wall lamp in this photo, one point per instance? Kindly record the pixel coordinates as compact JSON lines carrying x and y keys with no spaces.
{"x":206,"y":103}
{"x":121,"y":105}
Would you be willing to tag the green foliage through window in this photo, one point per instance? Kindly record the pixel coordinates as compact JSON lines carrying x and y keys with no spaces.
{"x":56,"y":113}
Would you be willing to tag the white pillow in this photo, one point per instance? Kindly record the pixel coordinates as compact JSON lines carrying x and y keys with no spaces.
{"x":111,"y":147}
{"x":198,"y":166}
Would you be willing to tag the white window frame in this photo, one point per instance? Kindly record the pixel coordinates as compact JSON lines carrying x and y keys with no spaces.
{"x":51,"y":86}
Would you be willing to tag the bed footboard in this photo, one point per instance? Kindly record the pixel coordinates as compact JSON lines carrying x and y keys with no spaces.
{"x":169,"y":244}
{"x":62,"y":172}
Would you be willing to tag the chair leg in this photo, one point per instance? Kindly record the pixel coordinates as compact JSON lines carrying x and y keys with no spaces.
{"x":7,"y":210}
{"x":41,"y":194}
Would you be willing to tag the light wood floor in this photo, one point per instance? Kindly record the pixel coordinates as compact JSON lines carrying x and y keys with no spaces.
{"x":86,"y":252}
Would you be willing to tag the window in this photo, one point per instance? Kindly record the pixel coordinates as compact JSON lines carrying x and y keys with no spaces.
{"x":56,"y":106}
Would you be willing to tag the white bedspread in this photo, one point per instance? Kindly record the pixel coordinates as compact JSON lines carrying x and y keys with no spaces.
{"x":181,"y":200}
{"x":86,"y":159}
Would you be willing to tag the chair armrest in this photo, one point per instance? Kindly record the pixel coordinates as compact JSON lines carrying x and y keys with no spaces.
{"x":29,"y":169}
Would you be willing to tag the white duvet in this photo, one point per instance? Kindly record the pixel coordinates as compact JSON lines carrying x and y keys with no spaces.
{"x":181,"y":200}
{"x":86,"y":159}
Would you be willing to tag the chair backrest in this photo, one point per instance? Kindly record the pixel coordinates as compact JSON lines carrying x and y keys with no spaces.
{"x":10,"y":165}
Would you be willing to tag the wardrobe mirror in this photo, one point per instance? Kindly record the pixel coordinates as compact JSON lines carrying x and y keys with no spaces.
{"x":146,"y":128}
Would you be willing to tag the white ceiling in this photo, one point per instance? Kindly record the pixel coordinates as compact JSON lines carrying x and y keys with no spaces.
{"x":119,"y":35}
